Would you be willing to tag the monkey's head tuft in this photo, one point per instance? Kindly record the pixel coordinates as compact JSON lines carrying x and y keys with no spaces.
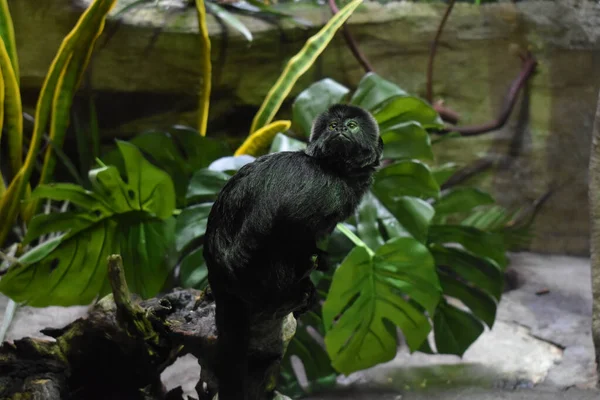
{"x":347,"y":137}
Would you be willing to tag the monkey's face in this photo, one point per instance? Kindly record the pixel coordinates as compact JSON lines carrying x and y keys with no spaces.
{"x":346,"y":132}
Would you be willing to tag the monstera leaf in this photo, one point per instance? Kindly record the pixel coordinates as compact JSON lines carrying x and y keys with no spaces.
{"x":373,"y":90}
{"x":132,"y":218}
{"x":371,"y":293}
{"x":180,"y":151}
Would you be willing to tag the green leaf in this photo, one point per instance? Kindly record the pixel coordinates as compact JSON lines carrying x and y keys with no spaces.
{"x":299,"y":64}
{"x":455,"y":330}
{"x":314,"y":100}
{"x":178,"y":151}
{"x":7,"y":33}
{"x":229,"y":19}
{"x":373,"y":90}
{"x":193,"y":271}
{"x":480,"y":272}
{"x":147,"y":248}
{"x":484,"y":244}
{"x":191,"y":224}
{"x":461,"y":200}
{"x":205,"y":185}
{"x":400,"y":109}
{"x":315,"y":361}
{"x":366,"y":295}
{"x":481,"y":305}
{"x":443,"y":172}
{"x":406,"y":178}
{"x":413,"y":214}
{"x":286,"y":143}
{"x":368,"y":227}
{"x":132,"y":219}
{"x":408,"y":140}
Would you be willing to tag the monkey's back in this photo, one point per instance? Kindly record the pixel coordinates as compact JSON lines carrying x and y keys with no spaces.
{"x":263,"y":227}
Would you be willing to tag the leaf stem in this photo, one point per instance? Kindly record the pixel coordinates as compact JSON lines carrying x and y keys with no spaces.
{"x":353,"y":238}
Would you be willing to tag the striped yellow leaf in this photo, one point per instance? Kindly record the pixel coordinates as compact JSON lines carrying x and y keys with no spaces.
{"x":206,"y":69}
{"x":260,"y":140}
{"x":68,"y":82}
{"x":7,"y":32}
{"x":2,"y":184}
{"x":13,"y":110}
{"x":88,"y":27}
{"x":299,"y":64}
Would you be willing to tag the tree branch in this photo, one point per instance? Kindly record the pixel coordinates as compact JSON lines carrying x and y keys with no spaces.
{"x":429,"y":95}
{"x":350,"y":41}
{"x":529,"y":66}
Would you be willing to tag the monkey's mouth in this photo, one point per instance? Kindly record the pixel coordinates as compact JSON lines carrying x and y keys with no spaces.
{"x":342,"y":136}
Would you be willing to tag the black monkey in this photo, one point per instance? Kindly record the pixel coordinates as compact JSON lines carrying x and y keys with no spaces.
{"x":263,"y":229}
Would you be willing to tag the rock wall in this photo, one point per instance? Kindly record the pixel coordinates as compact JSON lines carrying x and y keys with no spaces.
{"x":147,"y":65}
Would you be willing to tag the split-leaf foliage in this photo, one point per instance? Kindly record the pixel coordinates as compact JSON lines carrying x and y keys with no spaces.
{"x":413,"y":258}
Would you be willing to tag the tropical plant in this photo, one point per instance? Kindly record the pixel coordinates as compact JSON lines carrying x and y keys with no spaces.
{"x":414,"y":257}
{"x":52,"y":111}
{"x":131,"y":205}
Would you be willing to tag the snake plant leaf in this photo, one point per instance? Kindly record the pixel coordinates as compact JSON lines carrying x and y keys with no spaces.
{"x":314,"y":100}
{"x":88,"y":27}
{"x":258,"y":143}
{"x":406,"y":140}
{"x":459,"y":200}
{"x":299,"y":64}
{"x":12,"y":108}
{"x":455,"y":329}
{"x":229,"y":19}
{"x":206,"y":66}
{"x":398,"y":109}
{"x":7,"y":33}
{"x":373,"y":90}
{"x":69,"y":79}
{"x":132,"y":218}
{"x":365,"y":302}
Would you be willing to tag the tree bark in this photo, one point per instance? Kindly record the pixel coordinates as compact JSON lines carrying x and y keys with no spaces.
{"x":594,"y":204}
{"x":120,"y":349}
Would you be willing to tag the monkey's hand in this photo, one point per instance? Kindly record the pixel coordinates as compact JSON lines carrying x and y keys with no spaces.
{"x":321,"y":262}
{"x":309,"y":299}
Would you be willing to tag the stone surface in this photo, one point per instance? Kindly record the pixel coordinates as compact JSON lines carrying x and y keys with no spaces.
{"x":152,"y":56}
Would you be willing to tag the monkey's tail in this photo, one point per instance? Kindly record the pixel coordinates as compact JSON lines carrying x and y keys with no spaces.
{"x":233,"y":325}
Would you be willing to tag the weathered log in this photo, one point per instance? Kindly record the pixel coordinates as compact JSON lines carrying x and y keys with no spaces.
{"x":120,"y":349}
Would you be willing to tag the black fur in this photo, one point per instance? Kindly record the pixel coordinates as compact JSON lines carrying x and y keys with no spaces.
{"x":263,"y":229}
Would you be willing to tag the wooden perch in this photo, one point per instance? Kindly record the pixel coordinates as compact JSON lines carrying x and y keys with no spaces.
{"x":120,"y":349}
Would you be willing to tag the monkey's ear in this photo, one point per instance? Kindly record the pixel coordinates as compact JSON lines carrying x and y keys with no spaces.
{"x":380,"y":146}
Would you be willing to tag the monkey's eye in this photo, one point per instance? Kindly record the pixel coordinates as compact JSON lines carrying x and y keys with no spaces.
{"x":332,"y":125}
{"x":352,"y":125}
